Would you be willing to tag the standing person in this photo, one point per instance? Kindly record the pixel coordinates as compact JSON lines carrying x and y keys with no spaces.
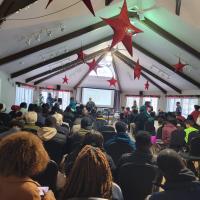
{"x":90,"y":105}
{"x":50,"y":100}
{"x":195,"y":113}
{"x":72,"y":104}
{"x":134,"y":107}
{"x":178,"y":107}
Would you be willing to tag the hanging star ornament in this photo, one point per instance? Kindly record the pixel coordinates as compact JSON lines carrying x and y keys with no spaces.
{"x":112,"y":82}
{"x":179,"y":66}
{"x":49,"y":2}
{"x":146,"y":85}
{"x":81,"y":56}
{"x":92,"y":65}
{"x":123,"y":29}
{"x":137,"y":70}
{"x":89,"y":6}
{"x":65,"y":80}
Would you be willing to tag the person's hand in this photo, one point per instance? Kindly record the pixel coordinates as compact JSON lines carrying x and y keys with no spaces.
{"x":49,"y":196}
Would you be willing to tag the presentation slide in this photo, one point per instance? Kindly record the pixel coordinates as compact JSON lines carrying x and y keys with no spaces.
{"x":102,"y":98}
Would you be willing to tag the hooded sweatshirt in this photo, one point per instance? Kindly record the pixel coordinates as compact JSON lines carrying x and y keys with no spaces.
{"x":46,"y":133}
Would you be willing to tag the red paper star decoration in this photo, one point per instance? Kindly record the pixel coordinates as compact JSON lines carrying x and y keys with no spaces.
{"x":92,"y":65}
{"x":137,"y":70}
{"x":179,"y":66}
{"x":146,"y":85}
{"x":81,"y":56}
{"x":65,"y":80}
{"x":49,"y":2}
{"x":112,"y":82}
{"x":89,"y":6}
{"x":123,"y":29}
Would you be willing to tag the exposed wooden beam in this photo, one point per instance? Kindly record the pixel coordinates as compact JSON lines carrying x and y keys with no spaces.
{"x":116,"y":72}
{"x":67,"y":66}
{"x":170,"y":37}
{"x":70,"y":65}
{"x":8,"y":7}
{"x":132,"y":63}
{"x":165,"y":64}
{"x":58,"y":58}
{"x":88,"y":72}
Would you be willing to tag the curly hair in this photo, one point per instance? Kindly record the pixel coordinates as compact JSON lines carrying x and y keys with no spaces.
{"x":22,"y":154}
{"x":90,"y":177}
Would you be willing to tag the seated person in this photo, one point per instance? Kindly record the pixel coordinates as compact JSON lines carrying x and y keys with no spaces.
{"x":195,"y":113}
{"x":91,"y":177}
{"x":168,"y":128}
{"x":180,"y":182}
{"x":4,"y":117}
{"x":99,"y":122}
{"x":160,"y":127}
{"x":121,"y":135}
{"x":142,"y":154}
{"x":59,"y":122}
{"x":22,"y":155}
{"x":15,"y":126}
{"x":189,"y":129}
{"x":30,"y":122}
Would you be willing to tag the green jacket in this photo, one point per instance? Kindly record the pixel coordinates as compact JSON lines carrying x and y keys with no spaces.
{"x":188,"y":131}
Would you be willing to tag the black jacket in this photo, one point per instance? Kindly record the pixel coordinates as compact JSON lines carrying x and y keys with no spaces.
{"x":181,"y":187}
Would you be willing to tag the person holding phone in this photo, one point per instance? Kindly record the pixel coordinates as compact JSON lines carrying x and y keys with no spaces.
{"x":22,"y":156}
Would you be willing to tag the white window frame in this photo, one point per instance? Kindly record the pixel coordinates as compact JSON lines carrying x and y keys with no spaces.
{"x":131,"y":99}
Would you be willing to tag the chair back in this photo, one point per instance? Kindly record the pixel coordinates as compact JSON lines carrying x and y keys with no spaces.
{"x":49,"y":176}
{"x":192,"y":135}
{"x":117,"y":149}
{"x":136,"y":180}
{"x":195,"y":147}
{"x":177,"y":140}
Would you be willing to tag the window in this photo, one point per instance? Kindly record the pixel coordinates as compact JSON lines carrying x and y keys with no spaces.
{"x":24,"y":94}
{"x":187,"y":105}
{"x":130,"y":100}
{"x":65,"y":96}
{"x":154,"y":102}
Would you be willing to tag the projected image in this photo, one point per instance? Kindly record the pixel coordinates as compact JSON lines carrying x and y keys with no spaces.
{"x":102,"y":98}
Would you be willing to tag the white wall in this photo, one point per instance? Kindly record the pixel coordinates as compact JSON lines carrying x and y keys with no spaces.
{"x":7,"y":90}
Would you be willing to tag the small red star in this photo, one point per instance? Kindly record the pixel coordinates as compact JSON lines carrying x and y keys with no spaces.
{"x":81,"y":55}
{"x":137,"y":70}
{"x":179,"y":66}
{"x":89,"y":6}
{"x":112,"y":81}
{"x":49,"y":2}
{"x":65,"y":80}
{"x":92,"y":65}
{"x":146,"y":85}
{"x":123,"y":29}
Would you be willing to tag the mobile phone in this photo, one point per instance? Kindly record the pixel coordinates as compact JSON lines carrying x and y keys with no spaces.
{"x":43,"y":190}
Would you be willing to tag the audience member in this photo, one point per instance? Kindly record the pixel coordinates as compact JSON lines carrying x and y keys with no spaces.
{"x":4,"y":117}
{"x":21,"y":156}
{"x":14,"y":110}
{"x":91,"y":177}
{"x":59,"y":122}
{"x":178,"y":107}
{"x":23,"y":107}
{"x":180,"y":182}
{"x":195,"y":113}
{"x":99,"y":122}
{"x":30,"y":122}
{"x":189,"y":129}
{"x":72,"y":104}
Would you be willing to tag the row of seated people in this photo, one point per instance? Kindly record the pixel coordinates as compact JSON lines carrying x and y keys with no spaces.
{"x":106,"y":146}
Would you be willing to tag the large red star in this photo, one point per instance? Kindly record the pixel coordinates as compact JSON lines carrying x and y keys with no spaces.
{"x":92,"y":65}
{"x":137,"y":70}
{"x":81,"y":55}
{"x":112,"y":81}
{"x":89,"y":6}
{"x":65,"y":80}
{"x":146,"y":85}
{"x":123,"y":29}
{"x":179,"y":66}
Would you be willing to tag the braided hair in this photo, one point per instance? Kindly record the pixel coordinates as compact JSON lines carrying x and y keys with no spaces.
{"x":90,"y":177}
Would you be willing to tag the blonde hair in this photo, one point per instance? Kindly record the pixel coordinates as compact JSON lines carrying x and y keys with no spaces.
{"x":31,"y":117}
{"x":59,"y":118}
{"x":22,"y":154}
